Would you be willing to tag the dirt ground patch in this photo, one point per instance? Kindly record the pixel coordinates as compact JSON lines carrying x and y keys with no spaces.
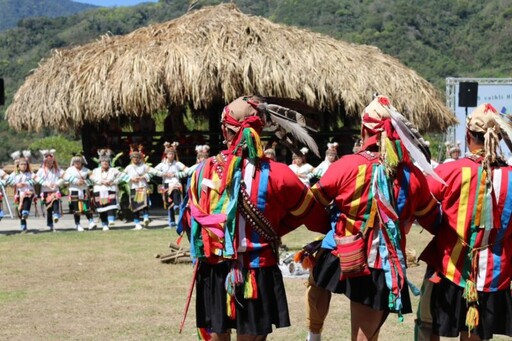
{"x":109,"y":286}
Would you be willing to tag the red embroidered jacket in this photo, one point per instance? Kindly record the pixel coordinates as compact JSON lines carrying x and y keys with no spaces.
{"x":348,"y":182}
{"x":277,"y":192}
{"x":462,"y":227}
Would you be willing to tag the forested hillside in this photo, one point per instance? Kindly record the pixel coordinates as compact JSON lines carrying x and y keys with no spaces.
{"x":14,"y":10}
{"x":437,"y":38}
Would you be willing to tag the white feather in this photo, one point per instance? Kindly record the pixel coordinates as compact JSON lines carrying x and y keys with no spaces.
{"x":411,"y":143}
{"x":505,"y":124}
{"x":293,"y":123}
{"x":297,"y":131}
{"x":16,"y":155}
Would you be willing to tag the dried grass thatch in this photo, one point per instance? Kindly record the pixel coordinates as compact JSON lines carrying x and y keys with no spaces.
{"x":215,"y":55}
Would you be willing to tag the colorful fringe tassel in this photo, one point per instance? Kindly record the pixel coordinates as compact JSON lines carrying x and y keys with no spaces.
{"x":472,"y":317}
{"x":204,"y":334}
{"x":251,"y":287}
{"x":233,"y":279}
{"x":471,"y":297}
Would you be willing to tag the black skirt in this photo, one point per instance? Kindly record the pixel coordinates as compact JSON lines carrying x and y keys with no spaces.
{"x":253,"y":316}
{"x":368,"y":290}
{"x":449,"y":308}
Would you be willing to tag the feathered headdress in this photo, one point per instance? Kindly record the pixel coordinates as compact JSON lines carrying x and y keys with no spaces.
{"x":253,"y":112}
{"x":202,"y":151}
{"x":47,"y":152}
{"x":383,"y":124}
{"x":21,"y":157}
{"x":493,"y":126}
{"x":26,"y":154}
{"x":136,"y":150}
{"x":16,"y":155}
{"x":171,"y":148}
{"x":105,"y":154}
{"x":332,"y":149}
{"x":77,"y":157}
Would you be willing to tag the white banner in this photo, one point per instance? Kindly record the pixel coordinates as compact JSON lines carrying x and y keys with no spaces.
{"x":499,"y":95}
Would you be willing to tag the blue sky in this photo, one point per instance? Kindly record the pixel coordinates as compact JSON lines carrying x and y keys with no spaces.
{"x":111,"y":3}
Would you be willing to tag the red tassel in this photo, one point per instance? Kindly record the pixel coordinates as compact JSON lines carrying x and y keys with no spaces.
{"x":308,"y":262}
{"x":297,"y":258}
{"x":254,"y":285}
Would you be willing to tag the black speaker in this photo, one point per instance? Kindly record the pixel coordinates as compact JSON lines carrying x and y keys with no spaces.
{"x":468,"y":93}
{"x":2,"y":92}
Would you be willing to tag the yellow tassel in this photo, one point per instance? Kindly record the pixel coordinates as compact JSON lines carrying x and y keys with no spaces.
{"x":230,"y":305}
{"x":257,"y":142}
{"x":391,"y":155}
{"x":470,"y":292}
{"x":472,"y":318}
{"x":248,"y":286}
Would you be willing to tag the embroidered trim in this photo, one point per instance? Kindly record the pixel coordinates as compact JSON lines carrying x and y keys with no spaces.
{"x":256,"y":218}
{"x":369,"y":155}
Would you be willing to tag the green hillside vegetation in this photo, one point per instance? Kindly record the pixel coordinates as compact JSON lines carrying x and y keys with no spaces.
{"x":438,"y":39}
{"x":14,"y":10}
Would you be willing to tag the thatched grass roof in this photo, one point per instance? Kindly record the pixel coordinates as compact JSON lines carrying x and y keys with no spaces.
{"x":211,"y":55}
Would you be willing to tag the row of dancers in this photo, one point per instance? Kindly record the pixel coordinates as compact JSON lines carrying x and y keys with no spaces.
{"x":96,"y":190}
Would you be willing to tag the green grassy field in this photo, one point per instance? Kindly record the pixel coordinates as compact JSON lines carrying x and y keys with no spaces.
{"x":110,"y":286}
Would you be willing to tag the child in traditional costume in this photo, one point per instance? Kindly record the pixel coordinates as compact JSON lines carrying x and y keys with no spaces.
{"x":171,"y":189}
{"x":105,"y":179}
{"x":301,"y":168}
{"x":77,"y":175}
{"x":139,"y":175}
{"x":240,"y":204}
{"x":202,"y":153}
{"x":331,"y":155}
{"x":469,"y":273}
{"x":452,"y":151}
{"x":375,"y":195}
{"x":22,"y":179}
{"x":49,"y":176}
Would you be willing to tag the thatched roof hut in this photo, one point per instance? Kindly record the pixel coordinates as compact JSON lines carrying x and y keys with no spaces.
{"x":212,"y":56}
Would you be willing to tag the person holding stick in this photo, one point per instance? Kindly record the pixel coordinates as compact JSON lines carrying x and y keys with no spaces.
{"x":240,"y":204}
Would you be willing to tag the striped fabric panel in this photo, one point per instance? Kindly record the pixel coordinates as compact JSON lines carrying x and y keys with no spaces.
{"x":320,"y":194}
{"x":461,"y":224}
{"x":304,"y":202}
{"x":356,"y":200}
{"x":500,"y":262}
{"x":257,"y":188}
{"x":486,"y":261}
{"x":473,"y":229}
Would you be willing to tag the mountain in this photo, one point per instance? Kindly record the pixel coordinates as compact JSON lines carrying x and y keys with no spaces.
{"x":114,"y":3}
{"x":437,"y":38}
{"x":11,"y":11}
